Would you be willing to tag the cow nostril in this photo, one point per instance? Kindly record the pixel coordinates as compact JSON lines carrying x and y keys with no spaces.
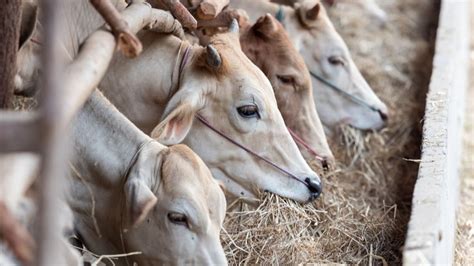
{"x":383,"y":115}
{"x":314,"y":187}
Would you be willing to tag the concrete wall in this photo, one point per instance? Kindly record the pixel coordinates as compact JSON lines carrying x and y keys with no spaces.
{"x":431,"y":230}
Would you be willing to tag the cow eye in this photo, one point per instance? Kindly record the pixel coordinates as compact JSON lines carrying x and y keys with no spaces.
{"x":336,"y":60}
{"x":286,"y":79}
{"x":248,"y":111}
{"x":178,"y":218}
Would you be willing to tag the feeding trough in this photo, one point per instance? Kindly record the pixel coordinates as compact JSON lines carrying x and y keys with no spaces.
{"x":431,"y":231}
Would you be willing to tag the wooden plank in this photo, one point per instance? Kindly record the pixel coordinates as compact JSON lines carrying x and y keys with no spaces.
{"x":431,"y":230}
{"x":18,"y":131}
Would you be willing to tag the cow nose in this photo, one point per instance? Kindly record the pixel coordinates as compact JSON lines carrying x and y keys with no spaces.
{"x":383,"y":115}
{"x":314,"y":187}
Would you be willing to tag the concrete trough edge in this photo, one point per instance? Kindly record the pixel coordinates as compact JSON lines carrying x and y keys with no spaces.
{"x":432,"y":226}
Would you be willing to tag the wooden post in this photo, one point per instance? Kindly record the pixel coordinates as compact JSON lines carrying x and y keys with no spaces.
{"x":10,"y":29}
{"x":53,"y":133}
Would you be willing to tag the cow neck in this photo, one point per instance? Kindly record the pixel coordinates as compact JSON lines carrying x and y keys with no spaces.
{"x":81,"y":19}
{"x":184,"y":54}
{"x":105,"y":140}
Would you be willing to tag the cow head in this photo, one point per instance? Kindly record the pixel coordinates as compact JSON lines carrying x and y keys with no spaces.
{"x":222,"y":85}
{"x":290,"y":79}
{"x":326,"y":55}
{"x":174,"y":219}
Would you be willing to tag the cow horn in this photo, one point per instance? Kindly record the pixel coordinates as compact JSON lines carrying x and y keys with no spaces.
{"x":234,"y":26}
{"x":213,"y":58}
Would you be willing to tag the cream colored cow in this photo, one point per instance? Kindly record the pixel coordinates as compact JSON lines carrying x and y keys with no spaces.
{"x":269,"y":47}
{"x":130,"y":193}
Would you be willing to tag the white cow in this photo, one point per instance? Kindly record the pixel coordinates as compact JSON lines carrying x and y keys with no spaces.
{"x":173,"y":81}
{"x":130,"y":193}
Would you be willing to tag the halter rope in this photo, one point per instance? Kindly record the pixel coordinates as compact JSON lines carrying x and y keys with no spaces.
{"x":222,"y":134}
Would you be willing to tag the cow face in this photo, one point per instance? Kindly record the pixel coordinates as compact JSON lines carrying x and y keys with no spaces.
{"x":177,"y":218}
{"x":326,"y":54}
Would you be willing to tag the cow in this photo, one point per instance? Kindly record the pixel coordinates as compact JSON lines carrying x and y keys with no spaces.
{"x":267,"y":45}
{"x":217,"y":83}
{"x":130,"y":193}
{"x":330,"y":64}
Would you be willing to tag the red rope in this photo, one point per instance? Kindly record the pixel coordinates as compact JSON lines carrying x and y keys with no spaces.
{"x":222,"y":134}
{"x":300,"y":141}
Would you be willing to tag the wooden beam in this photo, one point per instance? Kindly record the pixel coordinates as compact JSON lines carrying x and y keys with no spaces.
{"x":19,"y":132}
{"x":86,"y":71}
{"x":10,"y":29}
{"x":53,"y":136}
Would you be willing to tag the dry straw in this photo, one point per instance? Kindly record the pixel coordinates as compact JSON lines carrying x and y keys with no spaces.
{"x":362,"y":215}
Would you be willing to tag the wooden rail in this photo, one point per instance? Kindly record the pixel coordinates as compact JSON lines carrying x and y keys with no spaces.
{"x":431,"y":230}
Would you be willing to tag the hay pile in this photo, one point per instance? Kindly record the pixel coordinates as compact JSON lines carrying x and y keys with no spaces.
{"x":363,"y":212}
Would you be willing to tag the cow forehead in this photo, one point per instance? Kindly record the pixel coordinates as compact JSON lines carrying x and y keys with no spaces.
{"x":184,"y":174}
{"x":240,"y":70}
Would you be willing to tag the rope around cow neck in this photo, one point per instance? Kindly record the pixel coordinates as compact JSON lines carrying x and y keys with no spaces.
{"x":248,"y":150}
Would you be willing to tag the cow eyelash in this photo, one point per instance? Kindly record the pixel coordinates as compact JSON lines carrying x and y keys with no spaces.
{"x":249,"y":111}
{"x":336,"y":60}
{"x":178,"y":218}
{"x":286,"y":79}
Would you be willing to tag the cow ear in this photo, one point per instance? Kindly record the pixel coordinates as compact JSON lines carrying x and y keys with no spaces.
{"x":266,"y":25}
{"x":308,"y":12}
{"x":175,"y":127}
{"x":29,"y":16}
{"x":139,"y":200}
{"x":179,"y":114}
